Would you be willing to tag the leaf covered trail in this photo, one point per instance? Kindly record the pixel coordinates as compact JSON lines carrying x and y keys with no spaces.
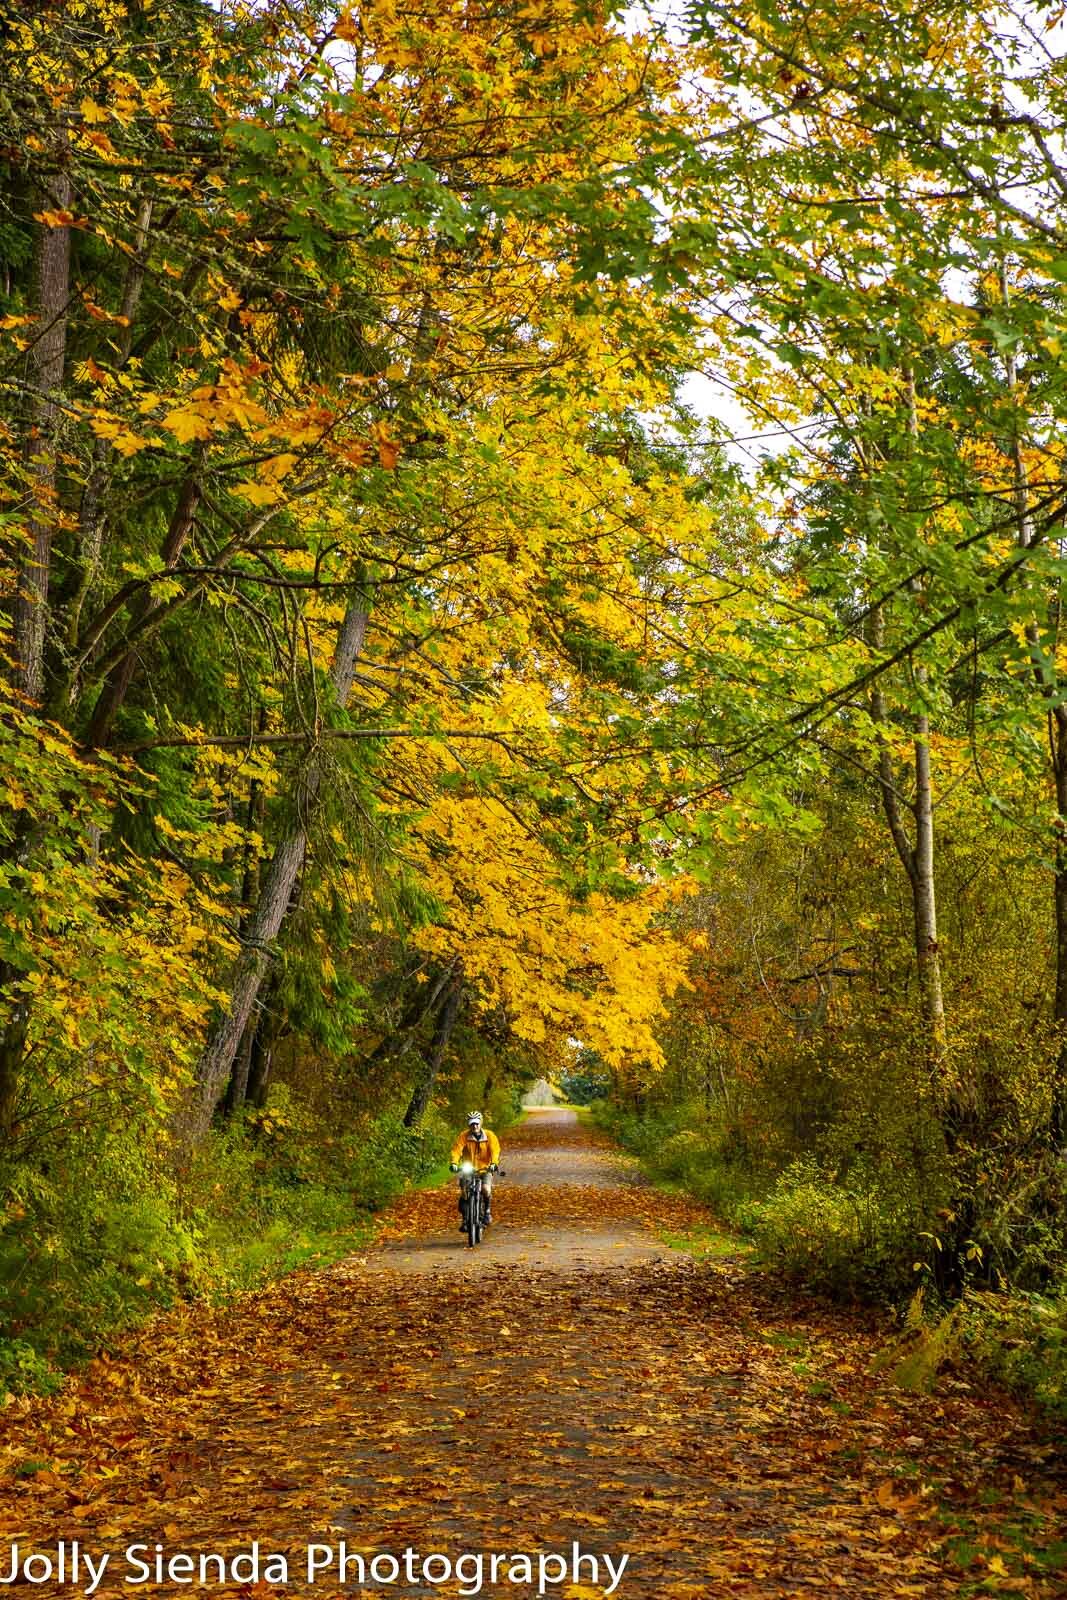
{"x":572,"y":1380}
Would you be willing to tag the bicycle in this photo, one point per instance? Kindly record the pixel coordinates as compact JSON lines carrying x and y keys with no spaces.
{"x":474,"y":1202}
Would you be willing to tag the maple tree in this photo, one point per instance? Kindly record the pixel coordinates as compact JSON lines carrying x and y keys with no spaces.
{"x":891,"y":312}
{"x":290,"y":333}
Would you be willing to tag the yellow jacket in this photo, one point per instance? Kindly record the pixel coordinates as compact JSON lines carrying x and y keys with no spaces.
{"x":466,"y":1148}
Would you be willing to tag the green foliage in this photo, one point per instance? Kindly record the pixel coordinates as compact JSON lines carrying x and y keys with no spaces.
{"x":286,"y":1187}
{"x":682,"y":1146}
{"x":842,"y":1237}
{"x":81,"y":1259}
{"x":24,"y":1370}
{"x":585,"y":1082}
{"x":123,"y":1235}
{"x":833,"y":1235}
{"x":1021,"y":1341}
{"x":855,"y":1237}
{"x":388,"y":1156}
{"x":1017,"y":1340}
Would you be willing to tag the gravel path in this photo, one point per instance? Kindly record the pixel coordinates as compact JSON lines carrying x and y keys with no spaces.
{"x":547,"y":1209}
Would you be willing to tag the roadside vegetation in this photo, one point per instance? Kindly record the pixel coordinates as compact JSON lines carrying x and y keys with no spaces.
{"x":790,"y":1213}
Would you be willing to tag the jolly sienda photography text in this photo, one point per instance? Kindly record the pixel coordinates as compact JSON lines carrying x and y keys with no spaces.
{"x":72,"y":1565}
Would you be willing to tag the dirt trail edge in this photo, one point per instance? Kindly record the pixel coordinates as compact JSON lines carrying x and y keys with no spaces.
{"x":571,"y":1383}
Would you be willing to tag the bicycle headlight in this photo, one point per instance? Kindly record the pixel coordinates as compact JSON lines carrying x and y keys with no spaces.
{"x":468,"y":1166}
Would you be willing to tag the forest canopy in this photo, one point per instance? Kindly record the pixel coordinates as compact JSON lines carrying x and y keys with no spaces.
{"x":532,"y":545}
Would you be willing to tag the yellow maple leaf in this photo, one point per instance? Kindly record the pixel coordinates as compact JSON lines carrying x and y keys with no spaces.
{"x":60,"y":219}
{"x":187,"y":425}
{"x":260,"y":494}
{"x":278,"y":466}
{"x":123,"y":439}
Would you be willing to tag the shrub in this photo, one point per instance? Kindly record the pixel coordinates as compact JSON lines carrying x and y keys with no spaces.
{"x":130,"y":1229}
{"x":82,"y":1259}
{"x":1018,"y":1340}
{"x":1021,"y":1341}
{"x":699,"y":1154}
{"x":834,"y":1236}
{"x":23,"y":1370}
{"x":389,"y":1156}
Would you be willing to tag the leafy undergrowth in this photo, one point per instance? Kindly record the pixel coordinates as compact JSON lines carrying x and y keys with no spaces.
{"x":271,"y":1192}
{"x":811,"y":1229}
{"x":730,"y":1439}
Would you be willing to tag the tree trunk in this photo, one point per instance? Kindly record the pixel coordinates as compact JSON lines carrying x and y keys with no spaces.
{"x":924,"y":896}
{"x":1058,"y":1118}
{"x":46,"y":369}
{"x":237,"y":1088}
{"x":261,"y":1058}
{"x":400,"y":1040}
{"x":14,"y":1032}
{"x":93,"y":516}
{"x":47,"y":364}
{"x":446,"y":1019}
{"x":278,"y":882}
{"x":917,"y":861}
{"x":12,"y":1047}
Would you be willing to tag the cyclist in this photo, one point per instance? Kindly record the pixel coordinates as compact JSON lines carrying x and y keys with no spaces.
{"x":481,"y":1147}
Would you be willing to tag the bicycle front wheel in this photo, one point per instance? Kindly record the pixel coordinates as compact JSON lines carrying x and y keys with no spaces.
{"x":473,"y":1216}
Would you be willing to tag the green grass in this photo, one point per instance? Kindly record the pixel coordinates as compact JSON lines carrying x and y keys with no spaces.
{"x":1027,"y":1542}
{"x":797,"y":1342}
{"x":707,"y":1243}
{"x":437,"y":1178}
{"x":246,"y":1263}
